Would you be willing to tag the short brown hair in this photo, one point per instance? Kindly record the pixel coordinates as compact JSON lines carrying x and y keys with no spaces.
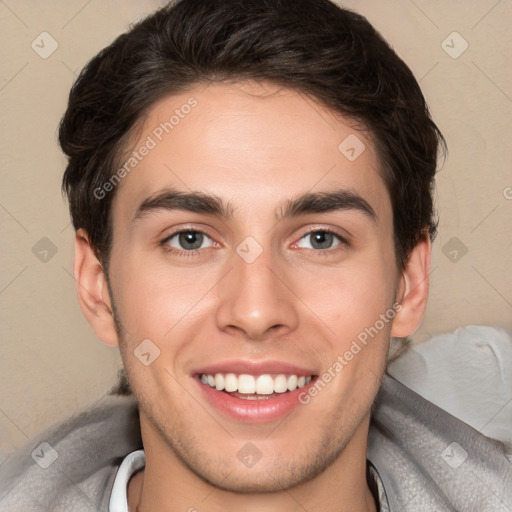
{"x":312,"y":46}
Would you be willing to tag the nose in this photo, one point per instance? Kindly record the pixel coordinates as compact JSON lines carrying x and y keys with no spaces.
{"x":256,"y":300}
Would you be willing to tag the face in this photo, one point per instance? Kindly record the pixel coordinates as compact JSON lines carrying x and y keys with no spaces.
{"x":254,"y":255}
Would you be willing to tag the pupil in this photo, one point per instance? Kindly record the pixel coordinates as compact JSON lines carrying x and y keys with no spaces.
{"x":191,"y":240}
{"x":322,"y":240}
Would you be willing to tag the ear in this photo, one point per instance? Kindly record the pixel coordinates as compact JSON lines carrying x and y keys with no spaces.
{"x":413,"y":291}
{"x":92,"y":288}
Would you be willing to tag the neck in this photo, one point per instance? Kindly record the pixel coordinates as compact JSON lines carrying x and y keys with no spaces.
{"x":168,"y":485}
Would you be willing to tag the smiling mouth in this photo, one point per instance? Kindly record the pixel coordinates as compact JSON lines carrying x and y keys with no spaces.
{"x":255,"y":387}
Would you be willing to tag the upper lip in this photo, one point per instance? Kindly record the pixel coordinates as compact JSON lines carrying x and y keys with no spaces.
{"x":254,"y":368}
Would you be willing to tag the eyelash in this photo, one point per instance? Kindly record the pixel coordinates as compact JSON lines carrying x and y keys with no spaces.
{"x":343,"y":243}
{"x":183,"y":253}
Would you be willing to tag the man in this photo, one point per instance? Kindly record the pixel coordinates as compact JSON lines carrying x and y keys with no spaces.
{"x":251,"y":188}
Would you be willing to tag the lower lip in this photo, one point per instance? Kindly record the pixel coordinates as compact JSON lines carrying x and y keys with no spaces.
{"x":254,"y":411}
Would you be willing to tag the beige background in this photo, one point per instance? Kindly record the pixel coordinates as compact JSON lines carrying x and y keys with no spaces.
{"x":50,"y":361}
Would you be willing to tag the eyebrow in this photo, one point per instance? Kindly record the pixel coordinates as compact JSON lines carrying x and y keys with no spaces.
{"x":171,"y":199}
{"x":198,"y":202}
{"x":323,"y":202}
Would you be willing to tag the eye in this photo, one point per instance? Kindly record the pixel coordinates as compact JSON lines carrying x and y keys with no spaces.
{"x":189,"y":240}
{"x":319,"y":240}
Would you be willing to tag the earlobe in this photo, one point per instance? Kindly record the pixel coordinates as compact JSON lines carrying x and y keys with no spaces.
{"x":413,"y":291}
{"x":92,"y":290}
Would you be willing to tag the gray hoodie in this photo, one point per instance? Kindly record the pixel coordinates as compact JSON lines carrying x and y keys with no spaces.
{"x":426,"y":459}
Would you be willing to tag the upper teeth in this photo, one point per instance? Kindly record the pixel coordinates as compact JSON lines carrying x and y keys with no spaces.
{"x":260,"y":384}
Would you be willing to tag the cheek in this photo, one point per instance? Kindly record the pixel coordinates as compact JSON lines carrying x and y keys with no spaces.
{"x":355,"y":303}
{"x":153,"y":297}
{"x":352,"y":295}
{"x":169,"y":307}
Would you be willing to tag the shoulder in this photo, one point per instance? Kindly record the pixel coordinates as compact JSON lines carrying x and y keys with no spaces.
{"x":72,"y":465}
{"x":468,"y":373}
{"x":429,"y":459}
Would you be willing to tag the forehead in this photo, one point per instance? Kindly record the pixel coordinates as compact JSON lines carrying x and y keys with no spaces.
{"x":252,"y":144}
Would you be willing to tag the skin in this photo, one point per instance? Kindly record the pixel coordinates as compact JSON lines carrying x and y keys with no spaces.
{"x":256,"y":147}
